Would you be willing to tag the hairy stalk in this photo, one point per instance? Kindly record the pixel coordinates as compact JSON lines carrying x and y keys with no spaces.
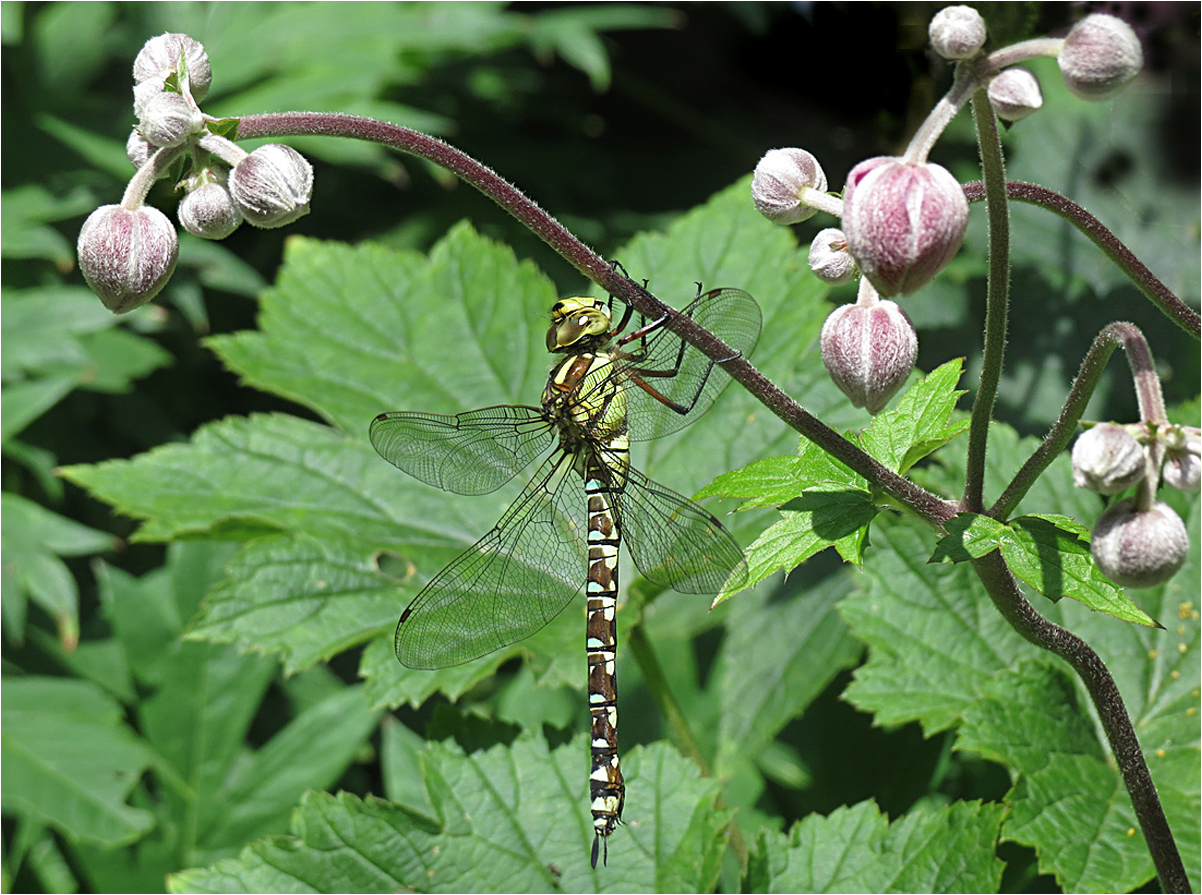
{"x":1147,"y":282}
{"x":996,"y":302}
{"x":1003,"y":589}
{"x":1058,"y":437}
{"x":927,"y":505}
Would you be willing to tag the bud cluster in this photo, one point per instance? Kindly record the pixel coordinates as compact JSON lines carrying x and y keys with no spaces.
{"x":127,"y":252}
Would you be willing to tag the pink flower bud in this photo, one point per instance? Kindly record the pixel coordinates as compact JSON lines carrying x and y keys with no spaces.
{"x":161,"y":56}
{"x":869,"y":352}
{"x":903,"y":222}
{"x":168,"y":120}
{"x":1100,"y":55}
{"x":829,"y":258}
{"x":127,"y":256}
{"x":1014,"y":94}
{"x":138,"y":149}
{"x":1183,"y":458}
{"x":272,"y":186}
{"x":957,"y":32}
{"x":144,"y":93}
{"x":1139,"y":549}
{"x":208,"y":211}
{"x":1108,"y":459}
{"x":779,"y":180}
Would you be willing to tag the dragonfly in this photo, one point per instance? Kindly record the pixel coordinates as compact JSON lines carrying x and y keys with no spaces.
{"x":606,"y":389}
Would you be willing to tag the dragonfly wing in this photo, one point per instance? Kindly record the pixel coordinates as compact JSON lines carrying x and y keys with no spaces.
{"x":668,"y":382}
{"x":674,"y":541}
{"x":512,"y":582}
{"x":469,"y":453}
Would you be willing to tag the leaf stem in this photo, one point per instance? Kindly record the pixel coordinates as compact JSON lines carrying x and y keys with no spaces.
{"x":996,"y":302}
{"x":1003,"y":589}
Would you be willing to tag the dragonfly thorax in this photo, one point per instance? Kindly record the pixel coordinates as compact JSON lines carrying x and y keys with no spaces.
{"x":582,"y":403}
{"x":578,"y":323}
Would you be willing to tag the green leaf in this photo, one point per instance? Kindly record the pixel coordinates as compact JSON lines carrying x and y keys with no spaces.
{"x":69,"y":760}
{"x":857,"y":849}
{"x":514,"y":818}
{"x":918,"y":425}
{"x":25,"y":401}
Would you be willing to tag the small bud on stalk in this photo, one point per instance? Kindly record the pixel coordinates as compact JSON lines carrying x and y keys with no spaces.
{"x":829,"y":259}
{"x":1183,"y":458}
{"x":272,"y":186}
{"x":160,"y":57}
{"x":903,"y":222}
{"x":1139,"y":549}
{"x":869,"y":351}
{"x":1014,"y":94}
{"x":167,"y":119}
{"x":957,"y":32}
{"x":1108,"y":459}
{"x":208,"y":209}
{"x":127,"y":256}
{"x":138,"y":149}
{"x":780,"y":179}
{"x":1100,"y":55}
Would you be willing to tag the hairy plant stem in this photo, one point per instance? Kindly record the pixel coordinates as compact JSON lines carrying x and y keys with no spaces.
{"x":1140,"y":358}
{"x":1146,"y":281}
{"x":997,"y":300}
{"x":1003,"y":589}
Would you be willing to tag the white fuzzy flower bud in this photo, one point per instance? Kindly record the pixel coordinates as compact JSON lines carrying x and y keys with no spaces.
{"x":272,"y":186}
{"x":869,"y":352}
{"x":903,"y":222}
{"x":1108,"y":459}
{"x":161,"y":56}
{"x":138,"y":149}
{"x":1183,"y":459}
{"x":127,"y":256}
{"x":144,"y":93}
{"x":208,"y":210}
{"x":1139,"y":549}
{"x":1014,"y":94}
{"x":1100,"y":55}
{"x":829,"y":259}
{"x":168,"y":120}
{"x":957,"y":32}
{"x":778,"y":182}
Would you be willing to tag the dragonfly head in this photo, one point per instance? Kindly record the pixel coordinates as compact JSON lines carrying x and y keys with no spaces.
{"x":576,"y":320}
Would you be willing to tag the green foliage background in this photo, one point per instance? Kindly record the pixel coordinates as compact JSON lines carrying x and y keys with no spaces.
{"x":211,"y":665}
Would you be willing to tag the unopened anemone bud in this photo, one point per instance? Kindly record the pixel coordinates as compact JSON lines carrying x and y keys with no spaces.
{"x":957,"y":32}
{"x":829,"y":258}
{"x":126,"y":255}
{"x":1100,"y":55}
{"x":780,"y":179}
{"x":1183,"y":458}
{"x":869,"y":351}
{"x":207,"y":209}
{"x":903,"y":222}
{"x":138,"y":149}
{"x":1014,"y":94}
{"x":1108,"y":459}
{"x":144,"y":93}
{"x":272,"y":186}
{"x":1139,"y":549}
{"x":161,"y":56}
{"x":167,"y":119}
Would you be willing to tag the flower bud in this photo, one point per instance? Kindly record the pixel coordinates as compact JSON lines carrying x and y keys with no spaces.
{"x":1137,"y":549}
{"x":779,"y":180}
{"x":208,"y":211}
{"x":144,"y":93}
{"x":869,"y":352}
{"x":903,"y":222}
{"x":1014,"y":94}
{"x":272,"y":186}
{"x":1100,"y":55}
{"x":829,"y":258}
{"x":138,"y":149}
{"x":167,"y":119}
{"x":1183,"y":459}
{"x":127,"y":256}
{"x":957,"y":32}
{"x":161,"y":56}
{"x":1108,"y":459}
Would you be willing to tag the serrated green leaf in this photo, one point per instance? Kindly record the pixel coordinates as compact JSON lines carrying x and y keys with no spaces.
{"x":69,"y":760}
{"x":28,"y":521}
{"x":512,"y":817}
{"x":857,"y":849}
{"x":918,"y":425}
{"x":969,"y":536}
{"x":25,"y":401}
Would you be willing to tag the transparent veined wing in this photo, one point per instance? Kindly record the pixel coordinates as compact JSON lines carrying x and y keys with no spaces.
{"x":469,"y":453}
{"x":674,"y":541}
{"x":668,"y":382}
{"x":510,"y":583}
